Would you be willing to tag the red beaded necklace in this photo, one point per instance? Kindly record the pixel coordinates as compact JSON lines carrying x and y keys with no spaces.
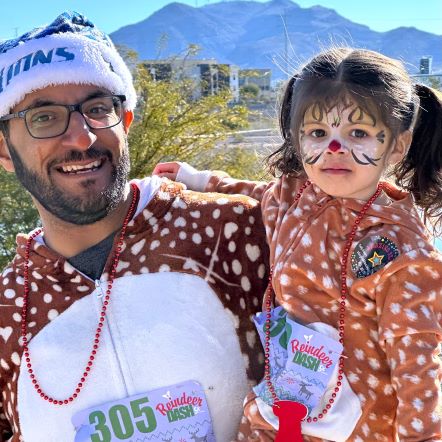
{"x":99,"y":329}
{"x":286,"y":432}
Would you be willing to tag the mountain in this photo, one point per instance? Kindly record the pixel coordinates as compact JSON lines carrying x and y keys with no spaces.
{"x":278,"y":34}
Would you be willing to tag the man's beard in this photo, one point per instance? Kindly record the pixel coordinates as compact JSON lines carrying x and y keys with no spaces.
{"x":76,"y":210}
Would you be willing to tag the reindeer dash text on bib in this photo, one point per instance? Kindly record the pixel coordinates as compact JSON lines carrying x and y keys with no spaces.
{"x":173,"y":413}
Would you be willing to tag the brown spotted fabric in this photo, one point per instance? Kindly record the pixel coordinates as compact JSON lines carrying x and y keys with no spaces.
{"x":217,"y":239}
{"x":393,"y":327}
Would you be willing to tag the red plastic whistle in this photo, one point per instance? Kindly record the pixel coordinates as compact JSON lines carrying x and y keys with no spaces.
{"x":290,"y":415}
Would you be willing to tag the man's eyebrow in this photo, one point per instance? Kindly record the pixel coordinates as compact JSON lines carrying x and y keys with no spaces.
{"x":97,"y":94}
{"x":39,"y":102}
{"x":45,"y":102}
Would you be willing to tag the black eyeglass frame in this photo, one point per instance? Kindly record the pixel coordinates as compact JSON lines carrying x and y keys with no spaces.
{"x":71,"y":108}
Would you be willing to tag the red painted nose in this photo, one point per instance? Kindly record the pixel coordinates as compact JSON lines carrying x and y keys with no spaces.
{"x":334,"y":146}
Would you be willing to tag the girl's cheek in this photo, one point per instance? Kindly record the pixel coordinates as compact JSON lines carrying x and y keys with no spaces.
{"x":371,"y":147}
{"x":309,"y":146}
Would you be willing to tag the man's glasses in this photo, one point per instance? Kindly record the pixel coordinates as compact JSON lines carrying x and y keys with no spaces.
{"x":52,"y":120}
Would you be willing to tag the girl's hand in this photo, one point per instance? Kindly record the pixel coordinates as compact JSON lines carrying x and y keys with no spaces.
{"x":168,"y":170}
{"x":183,"y":173}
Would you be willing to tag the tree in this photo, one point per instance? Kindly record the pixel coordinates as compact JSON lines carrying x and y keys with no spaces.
{"x":172,"y":125}
{"x":249,"y":92}
{"x":17,"y":214}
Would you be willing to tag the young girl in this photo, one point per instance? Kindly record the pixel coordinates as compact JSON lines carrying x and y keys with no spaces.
{"x":349,"y":250}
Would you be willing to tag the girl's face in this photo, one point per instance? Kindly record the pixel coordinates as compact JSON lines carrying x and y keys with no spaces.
{"x":344,"y":150}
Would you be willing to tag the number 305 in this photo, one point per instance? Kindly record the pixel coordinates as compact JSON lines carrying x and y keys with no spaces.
{"x":122,"y":421}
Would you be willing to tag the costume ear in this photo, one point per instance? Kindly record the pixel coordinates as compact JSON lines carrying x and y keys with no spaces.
{"x":5,"y":157}
{"x":400,"y":147}
{"x":128,"y":117}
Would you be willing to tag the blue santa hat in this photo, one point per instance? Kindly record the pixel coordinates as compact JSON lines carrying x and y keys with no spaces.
{"x":71,"y":50}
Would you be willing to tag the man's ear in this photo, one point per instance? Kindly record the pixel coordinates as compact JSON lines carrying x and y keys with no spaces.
{"x":400,"y":147}
{"x":128,"y":117}
{"x":5,"y":157}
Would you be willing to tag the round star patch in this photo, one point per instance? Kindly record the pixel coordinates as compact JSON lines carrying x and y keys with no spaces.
{"x":371,"y":254}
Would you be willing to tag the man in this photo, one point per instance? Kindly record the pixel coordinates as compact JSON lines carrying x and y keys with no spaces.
{"x":128,"y":288}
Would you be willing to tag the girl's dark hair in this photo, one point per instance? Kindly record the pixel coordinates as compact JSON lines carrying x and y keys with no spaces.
{"x":420,"y":172}
{"x":381,"y":86}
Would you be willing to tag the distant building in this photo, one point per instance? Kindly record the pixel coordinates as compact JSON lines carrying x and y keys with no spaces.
{"x":209,"y":76}
{"x":259,"y":77}
{"x":426,"y":65}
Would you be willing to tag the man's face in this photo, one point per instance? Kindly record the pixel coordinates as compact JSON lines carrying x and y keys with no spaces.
{"x":79,"y":176}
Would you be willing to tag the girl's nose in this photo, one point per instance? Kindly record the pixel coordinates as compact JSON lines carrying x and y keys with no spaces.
{"x":334,"y":146}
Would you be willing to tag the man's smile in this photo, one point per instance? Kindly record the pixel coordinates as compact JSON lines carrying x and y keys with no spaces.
{"x":77,"y":168}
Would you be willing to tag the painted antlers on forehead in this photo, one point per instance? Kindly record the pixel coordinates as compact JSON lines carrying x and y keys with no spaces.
{"x":358,"y":114}
{"x":336,"y":121}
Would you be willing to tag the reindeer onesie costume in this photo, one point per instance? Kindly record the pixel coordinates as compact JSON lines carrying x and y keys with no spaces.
{"x":190,"y":277}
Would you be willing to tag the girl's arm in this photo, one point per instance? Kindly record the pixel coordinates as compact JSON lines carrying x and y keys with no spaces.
{"x":410,"y":333}
{"x":211,"y":181}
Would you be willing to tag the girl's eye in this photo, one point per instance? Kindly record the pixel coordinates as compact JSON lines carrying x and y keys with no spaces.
{"x":358,"y":133}
{"x":318,"y":133}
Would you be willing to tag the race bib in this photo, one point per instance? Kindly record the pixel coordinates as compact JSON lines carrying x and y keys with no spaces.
{"x":302,"y":360}
{"x":174,"y":413}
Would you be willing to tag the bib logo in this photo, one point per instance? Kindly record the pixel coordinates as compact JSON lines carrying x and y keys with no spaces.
{"x":180,"y":408}
{"x":309,"y":356}
{"x":32,"y":60}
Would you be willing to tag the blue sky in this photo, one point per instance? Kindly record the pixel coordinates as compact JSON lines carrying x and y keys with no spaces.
{"x":380,"y":15}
